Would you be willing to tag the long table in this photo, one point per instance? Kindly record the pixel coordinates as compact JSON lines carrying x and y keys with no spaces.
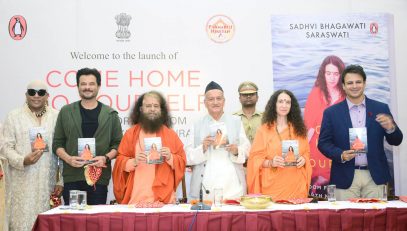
{"x":312,"y":216}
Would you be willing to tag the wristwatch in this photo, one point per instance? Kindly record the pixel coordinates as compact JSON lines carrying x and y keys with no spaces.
{"x":107,"y":159}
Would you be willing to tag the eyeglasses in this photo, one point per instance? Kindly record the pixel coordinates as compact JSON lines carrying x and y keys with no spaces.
{"x":32,"y":92}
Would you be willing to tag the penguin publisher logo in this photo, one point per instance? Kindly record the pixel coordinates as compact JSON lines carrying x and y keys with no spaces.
{"x":17,"y":27}
{"x":123,"y":22}
{"x":374,"y":28}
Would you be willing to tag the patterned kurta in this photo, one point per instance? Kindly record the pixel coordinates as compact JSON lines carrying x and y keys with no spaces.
{"x":28,"y":187}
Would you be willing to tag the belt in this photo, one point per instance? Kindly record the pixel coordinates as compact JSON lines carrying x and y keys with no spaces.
{"x":362,"y":167}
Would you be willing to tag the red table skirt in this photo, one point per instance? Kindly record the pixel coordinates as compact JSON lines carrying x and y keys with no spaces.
{"x":323,"y":219}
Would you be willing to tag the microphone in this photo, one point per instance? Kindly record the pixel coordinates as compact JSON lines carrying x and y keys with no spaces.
{"x":200,"y":205}
{"x":206,"y":190}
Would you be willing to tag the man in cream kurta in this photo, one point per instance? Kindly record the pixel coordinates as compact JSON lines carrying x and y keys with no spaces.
{"x":31,"y":175}
{"x":217,"y":165}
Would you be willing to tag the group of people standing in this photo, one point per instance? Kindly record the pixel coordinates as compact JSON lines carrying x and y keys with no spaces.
{"x":251,"y":139}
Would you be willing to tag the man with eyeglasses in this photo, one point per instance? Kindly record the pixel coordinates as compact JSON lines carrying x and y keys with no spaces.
{"x":217,"y":149}
{"x":87,"y":121}
{"x":32,"y":173}
{"x":251,"y":118}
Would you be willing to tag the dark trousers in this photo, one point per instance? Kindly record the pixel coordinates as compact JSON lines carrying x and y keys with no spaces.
{"x":96,"y":195}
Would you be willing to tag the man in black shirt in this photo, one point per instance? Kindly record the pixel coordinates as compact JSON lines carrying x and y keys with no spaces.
{"x":87,"y":122}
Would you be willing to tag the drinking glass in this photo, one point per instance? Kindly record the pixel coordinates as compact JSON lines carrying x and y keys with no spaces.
{"x":73,"y":199}
{"x":384,"y":193}
{"x":82,"y":201}
{"x":218,"y":197}
{"x":331,"y":192}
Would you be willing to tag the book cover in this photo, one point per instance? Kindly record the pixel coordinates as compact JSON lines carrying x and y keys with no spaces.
{"x":152,"y":147}
{"x":219,"y":133}
{"x":290,"y":152}
{"x":87,"y":149}
{"x":38,"y":139}
{"x":358,"y":140}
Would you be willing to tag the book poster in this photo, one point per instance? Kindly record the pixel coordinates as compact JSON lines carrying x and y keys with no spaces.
{"x":310,"y":53}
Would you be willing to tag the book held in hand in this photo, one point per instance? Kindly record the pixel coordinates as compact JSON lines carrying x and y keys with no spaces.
{"x":152,"y":147}
{"x":87,"y":149}
{"x":290,"y":152}
{"x":38,"y":139}
{"x":358,"y":140}
{"x":219,"y":132}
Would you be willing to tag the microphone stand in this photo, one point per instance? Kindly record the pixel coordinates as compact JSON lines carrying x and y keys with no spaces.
{"x":200,"y":205}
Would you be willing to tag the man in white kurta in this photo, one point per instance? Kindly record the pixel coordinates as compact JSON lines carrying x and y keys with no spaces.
{"x":31,"y":174}
{"x":217,"y":160}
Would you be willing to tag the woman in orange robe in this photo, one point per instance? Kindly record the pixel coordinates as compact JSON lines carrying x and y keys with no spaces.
{"x":327,"y":91}
{"x":266,"y":173}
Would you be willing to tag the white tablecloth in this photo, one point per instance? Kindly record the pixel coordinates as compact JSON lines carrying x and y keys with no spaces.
{"x":229,"y":208}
